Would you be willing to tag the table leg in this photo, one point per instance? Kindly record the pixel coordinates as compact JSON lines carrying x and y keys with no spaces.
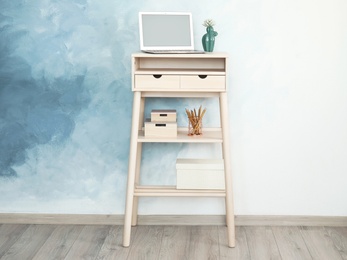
{"x":132,"y":168}
{"x":138,"y":163}
{"x":227,"y":167}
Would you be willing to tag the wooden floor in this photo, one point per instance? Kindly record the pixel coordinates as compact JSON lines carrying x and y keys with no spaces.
{"x":170,"y":242}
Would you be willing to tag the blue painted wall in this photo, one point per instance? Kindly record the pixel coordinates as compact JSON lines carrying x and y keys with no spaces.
{"x":65,"y":104}
{"x":66,"y":101}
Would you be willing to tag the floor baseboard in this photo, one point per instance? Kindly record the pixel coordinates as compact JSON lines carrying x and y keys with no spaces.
{"x":240,"y":220}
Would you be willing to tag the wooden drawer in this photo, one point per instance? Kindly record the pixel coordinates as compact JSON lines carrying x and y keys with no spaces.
{"x":157,"y":82}
{"x":202,"y":82}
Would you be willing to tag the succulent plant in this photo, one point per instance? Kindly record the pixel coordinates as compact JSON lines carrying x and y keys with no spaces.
{"x":208,"y":22}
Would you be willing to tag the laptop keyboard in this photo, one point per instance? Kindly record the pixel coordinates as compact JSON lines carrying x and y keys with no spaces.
{"x":174,"y":51}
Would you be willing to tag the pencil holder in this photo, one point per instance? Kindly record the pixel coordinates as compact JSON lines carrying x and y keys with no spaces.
{"x":195,"y":121}
{"x":195,"y":126}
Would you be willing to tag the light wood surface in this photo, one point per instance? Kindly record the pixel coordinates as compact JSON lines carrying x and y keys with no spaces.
{"x":88,"y":243}
{"x":208,"y":136}
{"x":18,"y":242}
{"x":175,"y":243}
{"x":133,"y":162}
{"x":204,"y":242}
{"x":241,"y":250}
{"x":176,"y":76}
{"x":8,"y":236}
{"x":112,"y":247}
{"x":25,"y":247}
{"x":261,"y":243}
{"x":147,"y":242}
{"x":229,"y":199}
{"x":319,"y":243}
{"x":59,"y":242}
{"x":339,"y":237}
{"x":290,"y":243}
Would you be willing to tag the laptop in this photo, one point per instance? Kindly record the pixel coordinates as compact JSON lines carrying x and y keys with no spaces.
{"x":166,"y":32}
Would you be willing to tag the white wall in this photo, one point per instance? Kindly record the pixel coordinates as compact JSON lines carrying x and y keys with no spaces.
{"x":288,"y":109}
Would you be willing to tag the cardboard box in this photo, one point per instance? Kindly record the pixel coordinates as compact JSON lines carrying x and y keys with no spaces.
{"x":160,"y":129}
{"x":200,"y":174}
{"x":162,"y":115}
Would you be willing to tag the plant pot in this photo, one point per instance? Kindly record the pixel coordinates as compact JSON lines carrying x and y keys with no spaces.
{"x":208,"y":39}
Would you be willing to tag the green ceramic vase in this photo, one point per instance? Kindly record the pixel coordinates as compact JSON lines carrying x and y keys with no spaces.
{"x":208,"y":39}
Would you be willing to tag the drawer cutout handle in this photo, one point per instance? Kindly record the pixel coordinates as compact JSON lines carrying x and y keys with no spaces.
{"x":161,"y":125}
{"x":157,"y":76}
{"x":203,"y":76}
{"x":162,"y":114}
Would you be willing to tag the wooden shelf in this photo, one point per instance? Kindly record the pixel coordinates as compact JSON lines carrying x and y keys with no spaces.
{"x":219,"y":72}
{"x":172,"y":191}
{"x":178,"y":76}
{"x":188,"y":93}
{"x":210,"y":135}
{"x":182,"y":94}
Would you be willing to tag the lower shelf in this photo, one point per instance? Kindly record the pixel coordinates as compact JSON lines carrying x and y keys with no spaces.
{"x":171,"y":191}
{"x":210,"y":135}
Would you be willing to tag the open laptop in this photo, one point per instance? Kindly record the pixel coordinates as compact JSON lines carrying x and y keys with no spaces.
{"x":166,"y":32}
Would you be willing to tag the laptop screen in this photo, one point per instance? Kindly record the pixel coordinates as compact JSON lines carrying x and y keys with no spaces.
{"x":165,"y":31}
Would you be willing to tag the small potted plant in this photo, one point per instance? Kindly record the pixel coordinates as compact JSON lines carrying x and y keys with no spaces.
{"x":209,"y":37}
